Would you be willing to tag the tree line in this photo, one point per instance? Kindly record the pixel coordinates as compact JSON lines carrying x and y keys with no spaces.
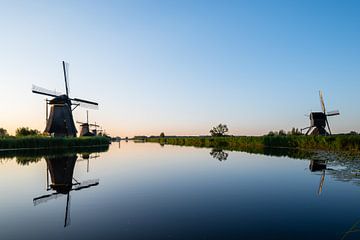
{"x":20,"y":132}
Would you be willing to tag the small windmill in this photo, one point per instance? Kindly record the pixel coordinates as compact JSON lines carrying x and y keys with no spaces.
{"x":319,"y":121}
{"x":61,"y":169}
{"x":61,"y":121}
{"x":85,"y":127}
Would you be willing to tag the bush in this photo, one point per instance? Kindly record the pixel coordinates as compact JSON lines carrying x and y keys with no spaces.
{"x":219,"y":130}
{"x":25,"y":131}
{"x":3,"y":132}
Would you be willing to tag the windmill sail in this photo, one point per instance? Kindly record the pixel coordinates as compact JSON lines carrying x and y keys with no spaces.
{"x":333,"y":113}
{"x":44,"y":91}
{"x":322,"y":102}
{"x":66,"y":77}
{"x":85,"y":103}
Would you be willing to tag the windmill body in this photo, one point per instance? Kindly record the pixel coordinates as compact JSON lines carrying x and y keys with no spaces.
{"x":319,"y":121}
{"x":60,"y":122}
{"x":85,"y":130}
{"x":85,"y":127}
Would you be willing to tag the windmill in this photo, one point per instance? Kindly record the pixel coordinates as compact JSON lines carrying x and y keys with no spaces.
{"x":319,"y":121}
{"x":60,"y":121}
{"x":61,"y":169}
{"x":85,"y":127}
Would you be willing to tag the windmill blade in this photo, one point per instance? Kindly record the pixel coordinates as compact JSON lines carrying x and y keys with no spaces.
{"x":66,"y":77}
{"x":94,"y":125}
{"x":45,"y":198}
{"x":322,"y":102}
{"x":80,"y":122}
{"x":327,"y":123}
{"x":44,"y":91}
{"x":85,"y":103}
{"x":333,"y":113}
{"x":86,"y":184}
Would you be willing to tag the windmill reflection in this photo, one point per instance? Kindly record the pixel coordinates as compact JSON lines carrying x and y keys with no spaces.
{"x":86,"y":157}
{"x":219,"y":154}
{"x":319,"y":166}
{"x":61,"y":170}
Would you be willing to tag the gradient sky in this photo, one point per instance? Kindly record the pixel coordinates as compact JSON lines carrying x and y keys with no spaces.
{"x":183,"y":66}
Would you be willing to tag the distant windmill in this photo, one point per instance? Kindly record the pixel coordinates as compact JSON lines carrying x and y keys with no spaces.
{"x":61,"y":169}
{"x":61,"y":121}
{"x":85,"y":127}
{"x":319,"y":121}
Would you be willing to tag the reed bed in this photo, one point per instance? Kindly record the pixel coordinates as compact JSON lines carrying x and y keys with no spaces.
{"x":28,"y":142}
{"x":344,"y":143}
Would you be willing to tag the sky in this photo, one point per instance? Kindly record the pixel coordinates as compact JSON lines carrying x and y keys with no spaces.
{"x":182,"y":67}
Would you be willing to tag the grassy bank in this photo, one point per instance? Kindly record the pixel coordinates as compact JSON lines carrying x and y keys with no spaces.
{"x":49,"y":142}
{"x":343,"y":143}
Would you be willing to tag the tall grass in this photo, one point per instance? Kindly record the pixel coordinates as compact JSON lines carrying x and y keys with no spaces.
{"x":331,"y":143}
{"x":49,"y":142}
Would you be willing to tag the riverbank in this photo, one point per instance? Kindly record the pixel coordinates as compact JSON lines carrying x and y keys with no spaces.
{"x":341,"y":143}
{"x":29,"y":142}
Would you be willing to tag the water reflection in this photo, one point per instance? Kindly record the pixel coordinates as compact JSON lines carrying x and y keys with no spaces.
{"x":25,"y":157}
{"x":319,"y":166}
{"x":219,"y":154}
{"x":61,"y":171}
{"x":340,"y":167}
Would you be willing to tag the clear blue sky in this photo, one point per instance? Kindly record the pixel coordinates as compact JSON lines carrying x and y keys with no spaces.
{"x":183,"y":66}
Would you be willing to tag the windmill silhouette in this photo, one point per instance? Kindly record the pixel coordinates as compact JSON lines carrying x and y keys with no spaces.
{"x":85,"y":127}
{"x":61,"y":121}
{"x":319,"y":121}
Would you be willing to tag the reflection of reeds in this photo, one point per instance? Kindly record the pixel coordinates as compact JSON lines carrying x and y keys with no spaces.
{"x":24,"y":157}
{"x":49,"y":142}
{"x":354,"y":229}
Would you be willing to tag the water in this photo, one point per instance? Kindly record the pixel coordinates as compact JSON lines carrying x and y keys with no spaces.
{"x":148,"y":191}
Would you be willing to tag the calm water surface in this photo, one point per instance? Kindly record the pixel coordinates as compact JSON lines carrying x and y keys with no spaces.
{"x":146,"y":191}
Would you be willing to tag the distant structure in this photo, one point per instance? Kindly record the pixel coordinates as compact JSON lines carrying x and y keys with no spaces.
{"x":60,"y":123}
{"x":85,"y":127}
{"x":319,"y":121}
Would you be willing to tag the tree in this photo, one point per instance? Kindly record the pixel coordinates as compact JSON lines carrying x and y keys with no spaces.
{"x":219,"y":130}
{"x":282,"y":133}
{"x":3,"y":132}
{"x":25,"y":131}
{"x":271,"y":133}
{"x":162,"y":135}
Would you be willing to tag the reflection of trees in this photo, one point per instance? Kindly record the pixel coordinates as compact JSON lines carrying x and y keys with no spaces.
{"x":219,"y":154}
{"x":25,"y":157}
